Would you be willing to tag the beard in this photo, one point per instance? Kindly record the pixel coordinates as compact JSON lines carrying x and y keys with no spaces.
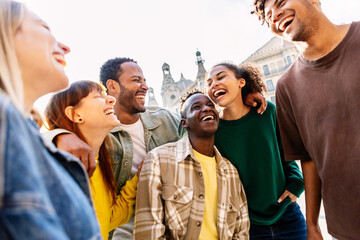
{"x":128,"y":101}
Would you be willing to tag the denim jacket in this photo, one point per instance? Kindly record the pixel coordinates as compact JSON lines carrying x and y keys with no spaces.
{"x":44,"y":193}
{"x":160,"y":127}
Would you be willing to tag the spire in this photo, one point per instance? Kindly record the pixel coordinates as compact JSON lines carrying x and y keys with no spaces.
{"x":152,"y":99}
{"x":201,"y":69}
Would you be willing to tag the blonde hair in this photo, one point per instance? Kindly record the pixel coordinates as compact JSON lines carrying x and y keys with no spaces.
{"x":11,"y":16}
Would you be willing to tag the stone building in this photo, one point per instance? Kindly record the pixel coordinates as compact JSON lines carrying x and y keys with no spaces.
{"x":273,"y":59}
{"x":171,"y":91}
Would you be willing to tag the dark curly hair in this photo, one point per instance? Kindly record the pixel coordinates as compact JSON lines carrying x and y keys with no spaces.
{"x":250,"y":73}
{"x":185,"y":97}
{"x":111,"y":69}
{"x":259,"y":6}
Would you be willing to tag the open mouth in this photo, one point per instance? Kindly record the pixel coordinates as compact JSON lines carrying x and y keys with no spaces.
{"x":285,"y":23}
{"x":219,"y":93}
{"x":207,"y":118}
{"x":109,"y":111}
{"x":60,"y":59}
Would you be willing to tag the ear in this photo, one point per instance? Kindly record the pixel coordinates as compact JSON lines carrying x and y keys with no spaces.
{"x":242,"y":82}
{"x":113,"y":88}
{"x":184,"y":123}
{"x":73,"y":115}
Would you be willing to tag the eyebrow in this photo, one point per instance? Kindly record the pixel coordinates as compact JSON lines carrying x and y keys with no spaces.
{"x":216,"y":75}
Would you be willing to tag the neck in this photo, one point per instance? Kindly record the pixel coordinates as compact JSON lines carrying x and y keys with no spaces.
{"x":94,"y":137}
{"x":235,"y":110}
{"x":203,"y":145}
{"x":124,"y":116}
{"x":325,"y":39}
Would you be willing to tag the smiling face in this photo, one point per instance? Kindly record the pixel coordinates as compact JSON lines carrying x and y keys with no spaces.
{"x":133,"y":88}
{"x":96,"y":111}
{"x":293,"y":20}
{"x":200,"y":116}
{"x":40,"y":57}
{"x":223,"y":86}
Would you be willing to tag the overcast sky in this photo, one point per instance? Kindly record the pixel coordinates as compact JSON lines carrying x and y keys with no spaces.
{"x":156,"y":31}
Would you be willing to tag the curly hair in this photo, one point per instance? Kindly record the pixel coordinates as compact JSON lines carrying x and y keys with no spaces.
{"x":250,"y":73}
{"x":185,"y":97}
{"x":259,"y":6}
{"x":111,"y":69}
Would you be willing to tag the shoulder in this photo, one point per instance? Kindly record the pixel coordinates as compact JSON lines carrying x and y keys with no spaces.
{"x":159,"y":112}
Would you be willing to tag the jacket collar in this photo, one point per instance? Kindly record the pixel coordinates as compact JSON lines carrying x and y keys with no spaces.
{"x":184,"y":151}
{"x":149,"y":122}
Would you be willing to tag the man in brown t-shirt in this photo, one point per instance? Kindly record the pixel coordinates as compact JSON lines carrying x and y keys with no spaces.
{"x":317,"y":108}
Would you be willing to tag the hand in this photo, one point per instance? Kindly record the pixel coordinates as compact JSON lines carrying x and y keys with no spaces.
{"x":287,"y":194}
{"x":139,"y":168}
{"x":314,"y":232}
{"x":253,"y":99}
{"x":70,"y":143}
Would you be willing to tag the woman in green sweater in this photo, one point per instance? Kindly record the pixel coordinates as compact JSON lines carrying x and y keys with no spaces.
{"x":252,"y":143}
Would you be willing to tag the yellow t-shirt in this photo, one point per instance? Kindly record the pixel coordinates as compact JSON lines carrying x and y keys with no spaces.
{"x":209,"y":225}
{"x":111,"y":216}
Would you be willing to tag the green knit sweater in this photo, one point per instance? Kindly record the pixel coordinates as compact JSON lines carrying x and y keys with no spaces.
{"x":252,"y":144}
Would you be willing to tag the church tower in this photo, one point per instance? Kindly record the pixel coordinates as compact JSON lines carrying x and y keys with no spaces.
{"x":170,"y":92}
{"x":201,"y":75}
{"x":152,"y":99}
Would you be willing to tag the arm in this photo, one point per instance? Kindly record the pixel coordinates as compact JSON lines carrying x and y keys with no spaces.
{"x":149,"y":213}
{"x":124,"y":207}
{"x":256,"y":99}
{"x":68,"y":142}
{"x":312,"y":199}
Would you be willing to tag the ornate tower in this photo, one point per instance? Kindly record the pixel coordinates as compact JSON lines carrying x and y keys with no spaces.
{"x":200,"y":78}
{"x":152,"y":99}
{"x":170,"y":92}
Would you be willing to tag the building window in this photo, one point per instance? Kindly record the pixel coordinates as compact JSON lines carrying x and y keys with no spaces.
{"x":266,"y":70}
{"x":270,"y":85}
{"x":272,"y":98}
{"x":172,"y":97}
{"x":289,"y":60}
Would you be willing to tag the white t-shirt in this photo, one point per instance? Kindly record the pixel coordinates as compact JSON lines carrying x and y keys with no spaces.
{"x":136,"y":131}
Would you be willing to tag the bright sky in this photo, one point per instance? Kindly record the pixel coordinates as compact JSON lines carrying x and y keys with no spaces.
{"x":158,"y":31}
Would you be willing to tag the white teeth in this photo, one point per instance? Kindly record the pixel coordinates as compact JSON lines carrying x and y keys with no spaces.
{"x":283,"y":23}
{"x":207,"y":118}
{"x":218,"y":92}
{"x":109,"y":111}
{"x":140,"y":96}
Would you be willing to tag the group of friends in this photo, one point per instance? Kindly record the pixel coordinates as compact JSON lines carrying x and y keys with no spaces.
{"x":223,"y":169}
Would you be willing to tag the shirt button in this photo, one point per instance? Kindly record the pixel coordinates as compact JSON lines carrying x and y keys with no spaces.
{"x":230,"y":206}
{"x":201,"y":196}
{"x":126,"y":162}
{"x":198,"y":224}
{"x":175,"y":196}
{"x":200,"y":174}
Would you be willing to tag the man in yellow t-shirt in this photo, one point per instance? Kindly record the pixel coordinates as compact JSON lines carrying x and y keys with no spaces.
{"x":187,"y":190}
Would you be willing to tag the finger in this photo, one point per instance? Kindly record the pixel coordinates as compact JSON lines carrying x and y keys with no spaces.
{"x":292,"y":197}
{"x":84,"y":161}
{"x":283,"y":196}
{"x":254,"y":104}
{"x":263,"y":106}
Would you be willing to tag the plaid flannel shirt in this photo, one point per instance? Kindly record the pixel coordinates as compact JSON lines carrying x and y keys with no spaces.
{"x":171,"y":196}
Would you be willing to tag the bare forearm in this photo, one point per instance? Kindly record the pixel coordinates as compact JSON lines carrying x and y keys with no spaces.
{"x":312,"y":184}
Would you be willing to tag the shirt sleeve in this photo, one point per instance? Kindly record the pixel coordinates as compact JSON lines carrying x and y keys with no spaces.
{"x":294,"y":148}
{"x":243,"y":222}
{"x":50,"y":135}
{"x":125,"y":204}
{"x":149,"y":213}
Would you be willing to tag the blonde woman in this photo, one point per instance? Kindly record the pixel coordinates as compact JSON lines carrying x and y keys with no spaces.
{"x":44,"y":194}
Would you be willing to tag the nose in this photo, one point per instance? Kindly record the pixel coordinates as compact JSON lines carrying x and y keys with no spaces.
{"x":110,"y":100}
{"x":65,"y":48}
{"x":276,"y":15}
{"x":144,"y":86}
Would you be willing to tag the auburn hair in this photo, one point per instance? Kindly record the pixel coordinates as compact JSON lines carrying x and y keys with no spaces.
{"x":55,"y":118}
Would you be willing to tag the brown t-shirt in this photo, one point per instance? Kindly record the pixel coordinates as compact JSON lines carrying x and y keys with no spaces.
{"x":318,"y":107}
